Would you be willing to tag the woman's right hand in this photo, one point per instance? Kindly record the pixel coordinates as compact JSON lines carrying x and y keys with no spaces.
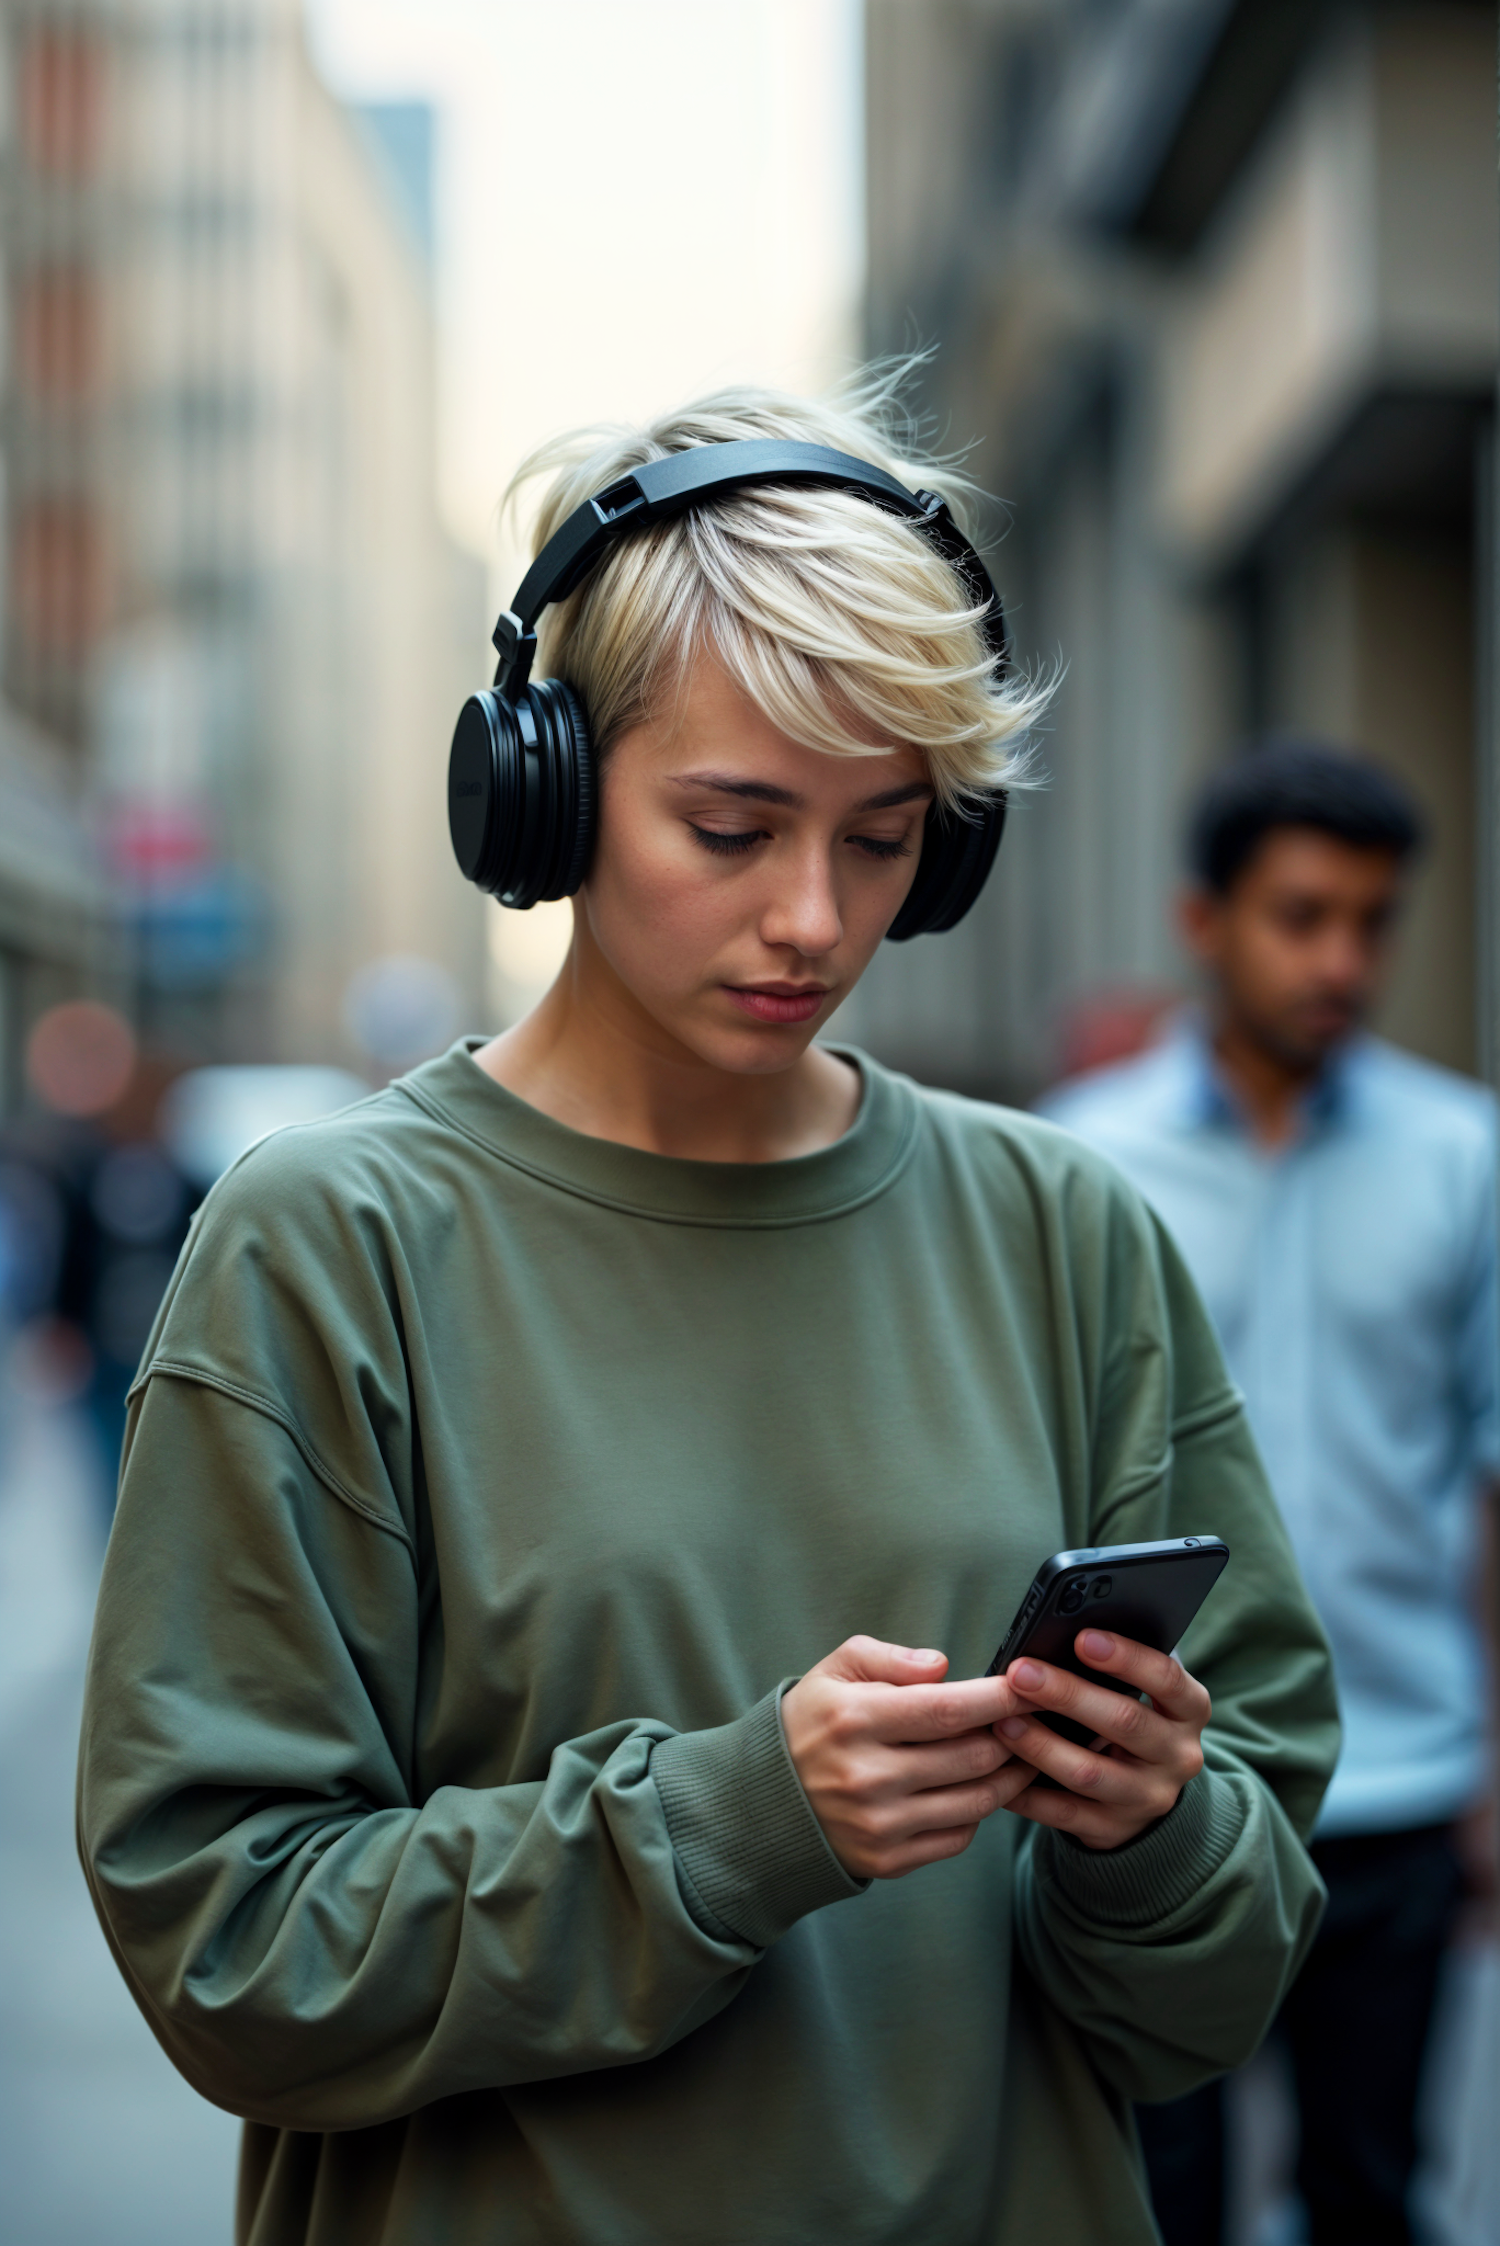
{"x":900,"y":1767}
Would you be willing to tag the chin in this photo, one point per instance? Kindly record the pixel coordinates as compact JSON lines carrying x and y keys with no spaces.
{"x":1312,"y":1051}
{"x":756,"y":1052}
{"x":745,"y":1048}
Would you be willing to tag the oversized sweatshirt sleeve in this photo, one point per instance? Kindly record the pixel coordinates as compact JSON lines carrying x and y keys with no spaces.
{"x":1170,"y":1956}
{"x":318,"y":1942}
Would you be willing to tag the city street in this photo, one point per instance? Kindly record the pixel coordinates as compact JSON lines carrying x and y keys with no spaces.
{"x":1074,"y":420}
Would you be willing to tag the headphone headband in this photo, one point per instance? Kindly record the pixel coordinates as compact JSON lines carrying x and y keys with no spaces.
{"x":522,"y":796}
{"x":659,"y":489}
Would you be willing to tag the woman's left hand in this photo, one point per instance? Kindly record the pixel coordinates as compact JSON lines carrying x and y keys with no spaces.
{"x":1143,"y":1754}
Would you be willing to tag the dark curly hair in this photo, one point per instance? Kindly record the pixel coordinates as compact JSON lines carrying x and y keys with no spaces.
{"x":1293,"y":783}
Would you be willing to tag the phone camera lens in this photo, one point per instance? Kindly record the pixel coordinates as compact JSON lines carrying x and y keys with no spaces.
{"x":1071,"y":1600}
{"x":1101,"y":1587}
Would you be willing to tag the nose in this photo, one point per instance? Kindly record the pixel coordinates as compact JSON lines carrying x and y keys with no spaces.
{"x":802,"y":911}
{"x":1347,"y":957}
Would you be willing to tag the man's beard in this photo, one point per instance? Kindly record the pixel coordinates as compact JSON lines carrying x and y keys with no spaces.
{"x":1305,"y":1050}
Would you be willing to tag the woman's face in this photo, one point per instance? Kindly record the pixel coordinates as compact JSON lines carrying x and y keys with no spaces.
{"x":741,"y":881}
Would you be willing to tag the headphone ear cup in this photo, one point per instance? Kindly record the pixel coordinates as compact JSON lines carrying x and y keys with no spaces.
{"x":958,"y":851}
{"x":484,"y":777}
{"x":566,"y":745}
{"x":522,"y":793}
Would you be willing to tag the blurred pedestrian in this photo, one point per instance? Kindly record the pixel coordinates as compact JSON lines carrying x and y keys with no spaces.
{"x":132,"y":1212}
{"x":93,"y":1209}
{"x":1335,"y":1200}
{"x":509,"y":1436}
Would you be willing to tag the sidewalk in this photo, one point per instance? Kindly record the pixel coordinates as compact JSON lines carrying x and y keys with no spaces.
{"x":101,"y":2142}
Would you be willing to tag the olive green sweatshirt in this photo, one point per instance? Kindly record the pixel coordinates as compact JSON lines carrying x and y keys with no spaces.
{"x":483,"y":1484}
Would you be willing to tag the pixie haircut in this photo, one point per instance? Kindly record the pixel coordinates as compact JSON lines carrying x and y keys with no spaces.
{"x":841,"y":623}
{"x":1296,"y":784}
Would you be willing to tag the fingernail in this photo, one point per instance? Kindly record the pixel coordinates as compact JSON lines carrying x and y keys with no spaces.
{"x":1013,"y":1728}
{"x":1026,"y":1675}
{"x":1098,"y":1643}
{"x":924,"y":1654}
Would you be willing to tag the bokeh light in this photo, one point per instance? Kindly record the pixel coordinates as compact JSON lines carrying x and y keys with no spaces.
{"x":401,"y":1009}
{"x":80,"y":1057}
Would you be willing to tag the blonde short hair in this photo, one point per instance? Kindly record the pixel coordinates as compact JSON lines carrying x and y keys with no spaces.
{"x":842,"y":623}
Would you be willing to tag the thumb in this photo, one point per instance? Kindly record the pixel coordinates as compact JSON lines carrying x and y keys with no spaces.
{"x":873,"y":1661}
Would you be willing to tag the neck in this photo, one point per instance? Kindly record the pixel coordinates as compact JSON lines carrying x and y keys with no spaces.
{"x":1266,"y":1084}
{"x":589,"y":1057}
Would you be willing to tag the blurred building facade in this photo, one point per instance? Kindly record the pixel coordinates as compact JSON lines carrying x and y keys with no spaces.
{"x":235,"y":631}
{"x":1214,"y":284}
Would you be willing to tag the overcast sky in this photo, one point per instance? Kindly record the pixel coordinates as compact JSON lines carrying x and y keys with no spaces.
{"x":635,"y":199}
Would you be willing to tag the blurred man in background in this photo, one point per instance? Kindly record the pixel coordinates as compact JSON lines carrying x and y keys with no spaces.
{"x":1335,"y":1199}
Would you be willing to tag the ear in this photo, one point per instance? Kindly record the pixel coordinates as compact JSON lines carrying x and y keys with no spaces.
{"x":1199,"y":917}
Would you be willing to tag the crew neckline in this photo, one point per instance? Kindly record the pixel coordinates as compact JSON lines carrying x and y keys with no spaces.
{"x":803,"y":1189}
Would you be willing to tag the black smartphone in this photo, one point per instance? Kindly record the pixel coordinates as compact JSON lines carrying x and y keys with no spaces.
{"x":1149,"y":1592}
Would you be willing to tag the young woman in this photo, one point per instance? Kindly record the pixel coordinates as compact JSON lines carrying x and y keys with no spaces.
{"x":538,"y":1768}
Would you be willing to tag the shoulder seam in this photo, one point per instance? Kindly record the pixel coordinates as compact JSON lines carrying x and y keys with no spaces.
{"x":173,"y":1369}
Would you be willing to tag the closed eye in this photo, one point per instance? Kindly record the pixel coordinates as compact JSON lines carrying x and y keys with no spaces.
{"x":734,"y":845}
{"x":726,"y":845}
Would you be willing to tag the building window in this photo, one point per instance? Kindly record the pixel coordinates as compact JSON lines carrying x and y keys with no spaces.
{"x":57,"y":578}
{"x":60,"y":101}
{"x":57,"y":335}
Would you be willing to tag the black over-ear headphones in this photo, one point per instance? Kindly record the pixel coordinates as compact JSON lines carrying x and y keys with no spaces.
{"x":522,"y":792}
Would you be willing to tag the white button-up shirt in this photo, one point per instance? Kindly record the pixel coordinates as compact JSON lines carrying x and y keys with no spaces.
{"x":1352,"y":1278}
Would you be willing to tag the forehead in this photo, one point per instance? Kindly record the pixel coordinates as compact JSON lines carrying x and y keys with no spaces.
{"x":711,"y":725}
{"x":1309,"y":858}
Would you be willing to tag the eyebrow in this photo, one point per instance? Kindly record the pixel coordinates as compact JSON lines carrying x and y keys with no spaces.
{"x":762,"y":791}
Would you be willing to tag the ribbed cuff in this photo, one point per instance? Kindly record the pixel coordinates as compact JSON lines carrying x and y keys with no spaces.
{"x":1156,"y":1873}
{"x":748,"y":1847}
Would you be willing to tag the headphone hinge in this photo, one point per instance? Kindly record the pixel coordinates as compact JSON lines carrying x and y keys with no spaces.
{"x":517,"y":652}
{"x":618,"y":500}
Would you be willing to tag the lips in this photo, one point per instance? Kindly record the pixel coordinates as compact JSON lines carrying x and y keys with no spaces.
{"x":773,"y":1002}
